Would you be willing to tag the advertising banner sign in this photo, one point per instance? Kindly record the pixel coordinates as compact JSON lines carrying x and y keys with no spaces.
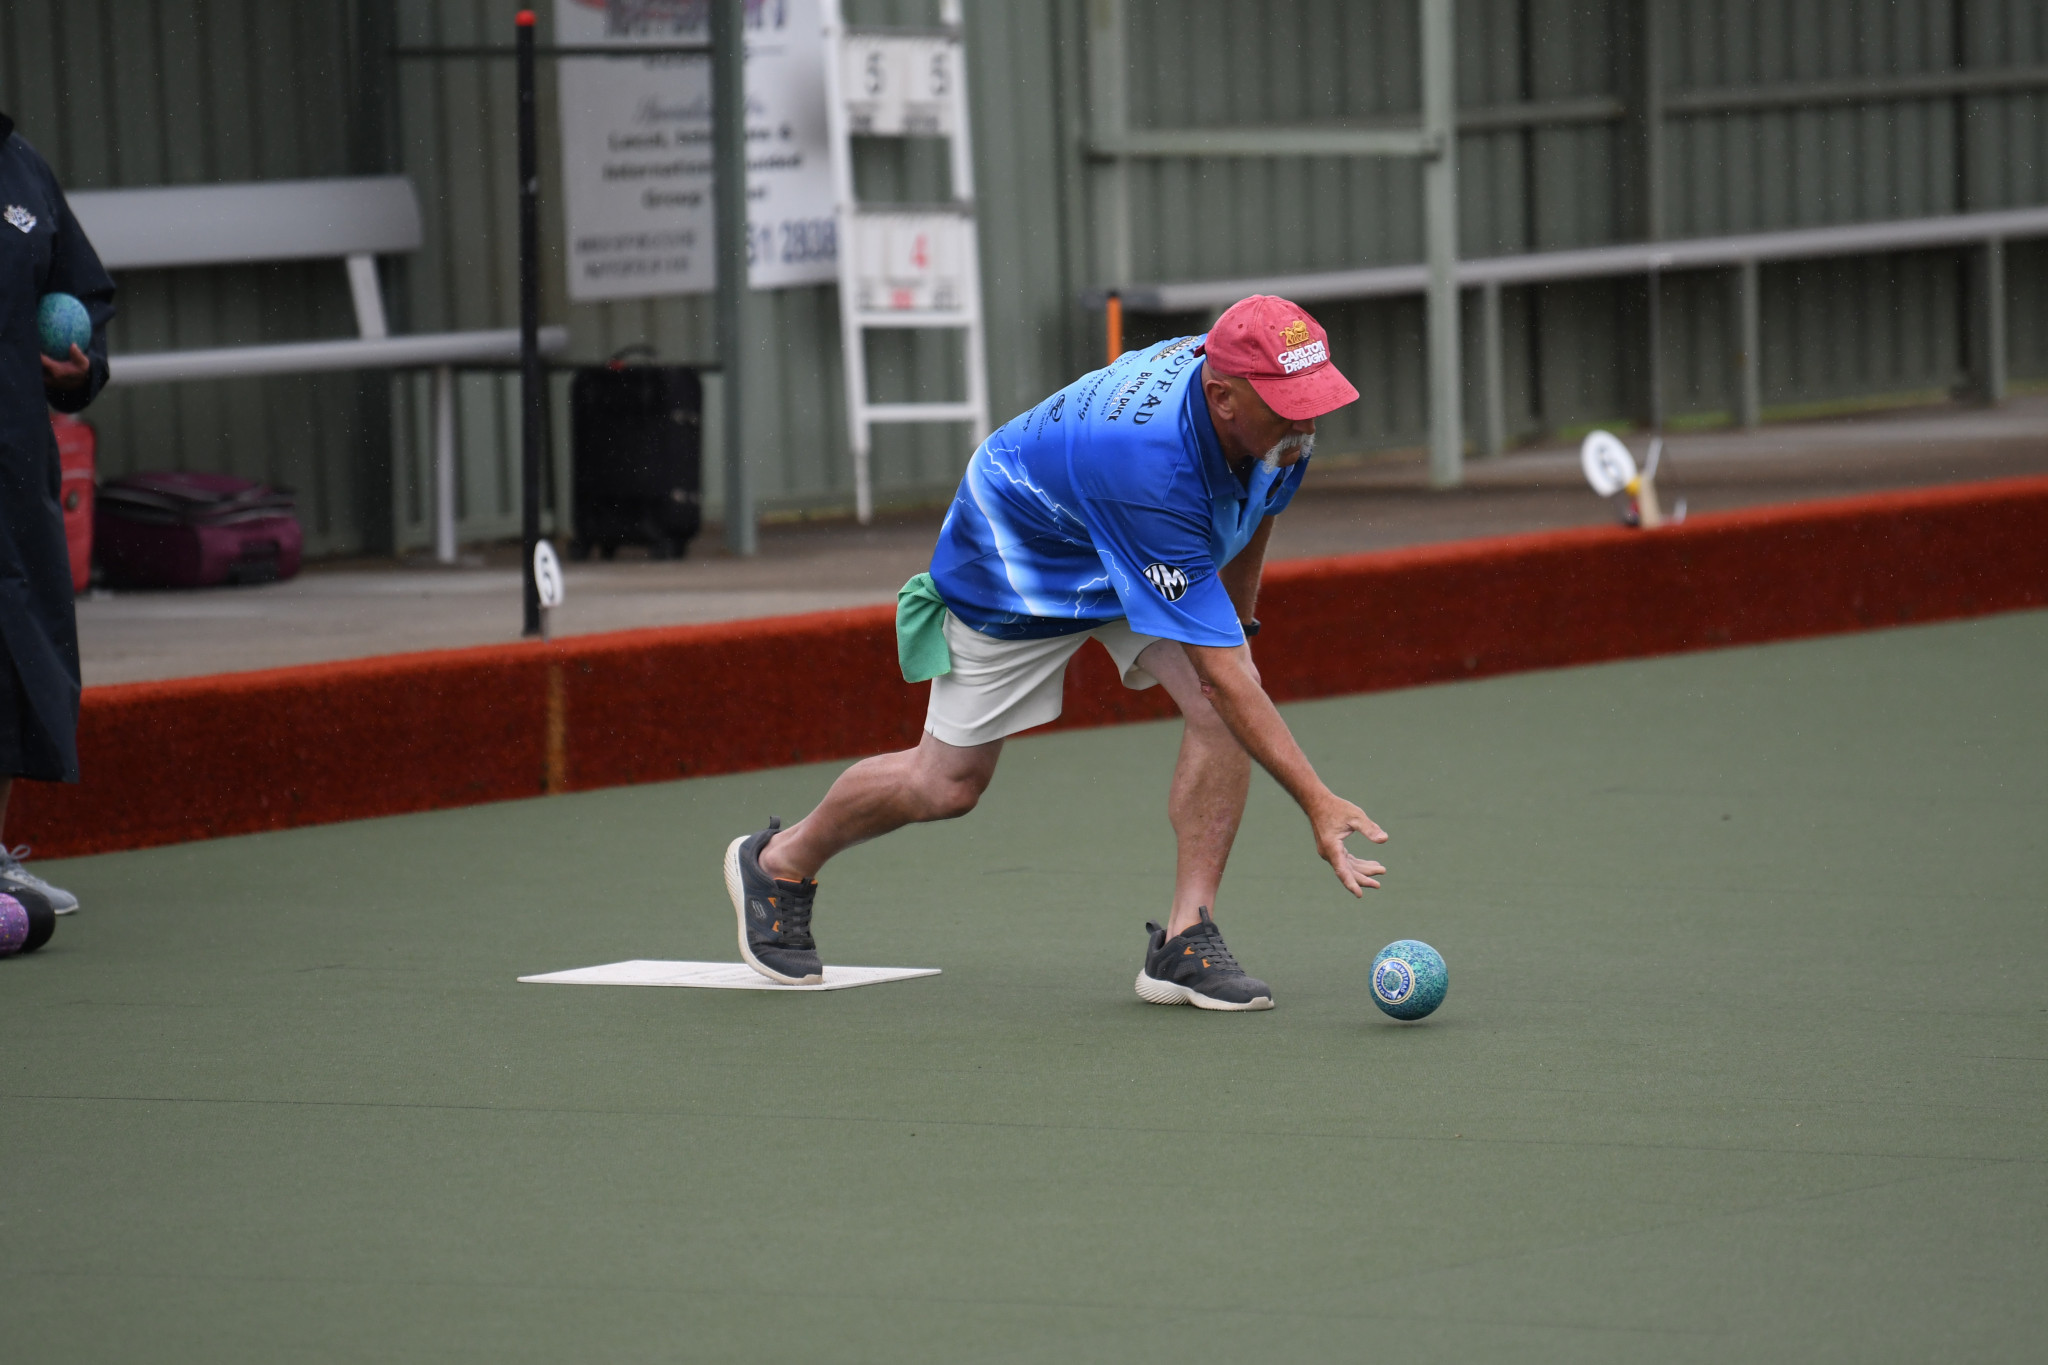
{"x":636,"y":149}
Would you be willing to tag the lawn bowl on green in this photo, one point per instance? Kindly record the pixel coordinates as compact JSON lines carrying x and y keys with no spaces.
{"x":13,"y":926}
{"x":26,"y":922}
{"x":61,"y":323}
{"x":1409,"y":979}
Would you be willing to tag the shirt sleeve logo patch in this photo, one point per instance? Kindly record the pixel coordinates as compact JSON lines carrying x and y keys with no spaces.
{"x":1171,"y":582}
{"x":19,"y":217}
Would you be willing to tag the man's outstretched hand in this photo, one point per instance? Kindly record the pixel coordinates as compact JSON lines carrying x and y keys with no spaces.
{"x":1333,"y":822}
{"x":1231,"y":683}
{"x":61,"y":376}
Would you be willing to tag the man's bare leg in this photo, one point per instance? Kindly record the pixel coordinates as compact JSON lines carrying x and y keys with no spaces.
{"x":1211,"y":780}
{"x":934,"y":781}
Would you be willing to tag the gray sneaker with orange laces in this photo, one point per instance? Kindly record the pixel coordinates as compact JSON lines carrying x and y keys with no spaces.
{"x":1196,"y":968}
{"x":774,"y":915}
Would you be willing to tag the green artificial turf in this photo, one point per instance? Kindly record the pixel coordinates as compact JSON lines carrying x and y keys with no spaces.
{"x":1745,"y":1058}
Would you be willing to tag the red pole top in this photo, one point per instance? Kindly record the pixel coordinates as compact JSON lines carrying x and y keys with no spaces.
{"x":525,"y":19}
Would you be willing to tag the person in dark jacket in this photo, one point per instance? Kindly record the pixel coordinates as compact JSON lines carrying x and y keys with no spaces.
{"x":42,"y":251}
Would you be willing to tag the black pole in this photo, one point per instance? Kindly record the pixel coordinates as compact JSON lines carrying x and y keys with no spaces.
{"x":530,"y":379}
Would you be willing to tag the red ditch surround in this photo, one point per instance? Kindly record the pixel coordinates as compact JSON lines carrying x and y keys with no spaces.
{"x":198,"y":758}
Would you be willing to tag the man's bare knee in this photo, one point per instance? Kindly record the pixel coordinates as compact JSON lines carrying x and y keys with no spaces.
{"x":953,"y":779}
{"x":954,"y":797}
{"x":1203,"y":720}
{"x":1168,"y":662}
{"x":950,"y":795}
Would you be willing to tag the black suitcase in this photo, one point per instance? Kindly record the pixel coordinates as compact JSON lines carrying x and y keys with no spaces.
{"x":636,"y":443}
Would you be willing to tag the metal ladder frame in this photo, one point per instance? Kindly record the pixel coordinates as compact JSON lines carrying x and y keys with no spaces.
{"x":854,"y":323}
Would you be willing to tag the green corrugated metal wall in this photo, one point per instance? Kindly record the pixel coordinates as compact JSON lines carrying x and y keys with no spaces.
{"x":151,"y":92}
{"x":133,"y":92}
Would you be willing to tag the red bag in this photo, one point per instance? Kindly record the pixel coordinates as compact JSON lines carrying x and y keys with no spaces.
{"x":183,"y":530}
{"x":75,"y":445}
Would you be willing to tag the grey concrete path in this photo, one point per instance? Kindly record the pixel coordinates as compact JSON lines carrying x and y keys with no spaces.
{"x":362,"y":608}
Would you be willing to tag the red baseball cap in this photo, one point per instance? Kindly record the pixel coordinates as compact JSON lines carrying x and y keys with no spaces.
{"x":1285,"y":354}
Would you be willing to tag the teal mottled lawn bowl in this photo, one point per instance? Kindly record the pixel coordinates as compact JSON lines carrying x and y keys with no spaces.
{"x":63,"y":323}
{"x":1409,"y":979}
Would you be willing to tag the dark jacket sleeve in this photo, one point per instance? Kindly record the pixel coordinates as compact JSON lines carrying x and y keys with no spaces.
{"x":75,"y":269}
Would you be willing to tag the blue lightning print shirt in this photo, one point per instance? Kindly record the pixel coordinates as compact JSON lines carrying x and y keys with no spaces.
{"x":1109,"y":499}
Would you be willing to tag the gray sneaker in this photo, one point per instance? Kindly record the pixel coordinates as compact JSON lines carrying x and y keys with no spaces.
{"x":13,"y":874}
{"x":1196,"y":968}
{"x":774,"y":915}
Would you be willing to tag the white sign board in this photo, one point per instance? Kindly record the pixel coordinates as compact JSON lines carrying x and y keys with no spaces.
{"x":547,"y":575}
{"x":637,"y":160}
{"x":899,"y":87}
{"x":1607,"y":464}
{"x":792,"y":232}
{"x":911,"y":262}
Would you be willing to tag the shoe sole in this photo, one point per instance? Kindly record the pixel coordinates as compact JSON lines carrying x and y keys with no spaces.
{"x":1154,"y":991}
{"x":737,"y":890}
{"x":55,"y":909}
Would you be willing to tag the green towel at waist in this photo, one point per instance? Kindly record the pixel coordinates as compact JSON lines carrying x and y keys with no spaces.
{"x":921,"y":631}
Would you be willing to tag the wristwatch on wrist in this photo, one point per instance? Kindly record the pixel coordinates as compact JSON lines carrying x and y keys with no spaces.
{"x":1251,"y":627}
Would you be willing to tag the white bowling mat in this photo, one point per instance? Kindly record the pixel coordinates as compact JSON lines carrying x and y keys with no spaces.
{"x":723,"y":976}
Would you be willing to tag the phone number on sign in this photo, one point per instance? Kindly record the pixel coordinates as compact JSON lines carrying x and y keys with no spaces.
{"x":796,"y":241}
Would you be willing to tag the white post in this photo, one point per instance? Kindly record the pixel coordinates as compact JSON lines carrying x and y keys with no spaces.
{"x":444,"y":464}
{"x":369,"y":298}
{"x":859,"y":436}
{"x":1440,"y":227}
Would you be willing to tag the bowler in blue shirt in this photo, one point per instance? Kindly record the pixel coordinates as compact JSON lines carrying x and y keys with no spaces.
{"x":1133,"y":507}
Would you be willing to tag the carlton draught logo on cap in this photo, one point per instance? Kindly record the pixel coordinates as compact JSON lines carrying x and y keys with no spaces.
{"x":1283,"y":352}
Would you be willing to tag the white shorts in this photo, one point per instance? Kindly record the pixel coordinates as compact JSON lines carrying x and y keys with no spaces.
{"x":998,"y":687}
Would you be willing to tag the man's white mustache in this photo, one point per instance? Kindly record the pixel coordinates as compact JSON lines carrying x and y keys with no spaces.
{"x":1306,"y":440}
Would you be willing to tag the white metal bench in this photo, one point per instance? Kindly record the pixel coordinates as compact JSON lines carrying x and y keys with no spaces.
{"x":1743,"y":252}
{"x":352,"y":220}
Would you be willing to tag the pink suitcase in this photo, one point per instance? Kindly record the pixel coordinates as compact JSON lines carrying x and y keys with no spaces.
{"x":182,"y":530}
